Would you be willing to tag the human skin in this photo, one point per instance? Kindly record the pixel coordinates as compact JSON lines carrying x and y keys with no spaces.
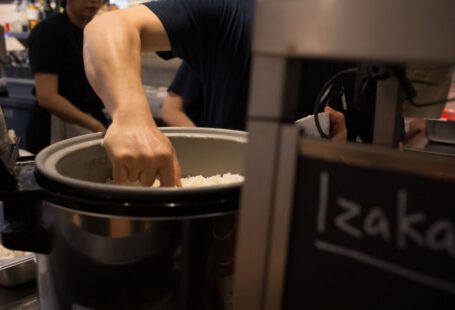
{"x":79,"y":12}
{"x":135,"y":146}
{"x":172,"y":112}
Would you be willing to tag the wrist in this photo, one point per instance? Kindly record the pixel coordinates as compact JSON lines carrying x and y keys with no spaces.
{"x":137,"y":111}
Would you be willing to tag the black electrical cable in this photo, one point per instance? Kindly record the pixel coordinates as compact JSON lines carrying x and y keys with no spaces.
{"x":340,"y":74}
{"x":404,"y":81}
{"x":429,"y":83}
{"x":322,"y":91}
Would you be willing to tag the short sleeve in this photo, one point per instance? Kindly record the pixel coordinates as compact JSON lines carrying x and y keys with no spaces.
{"x":44,"y":48}
{"x":189,"y":23}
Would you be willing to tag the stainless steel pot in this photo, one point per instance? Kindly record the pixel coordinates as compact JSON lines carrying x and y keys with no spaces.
{"x":106,"y":246}
{"x":440,"y":131}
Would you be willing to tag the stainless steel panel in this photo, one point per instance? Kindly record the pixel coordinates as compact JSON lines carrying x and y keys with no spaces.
{"x":387,"y":114}
{"x":255,"y":211}
{"x":281,"y":220}
{"x":382,"y":30}
{"x":268,"y":74}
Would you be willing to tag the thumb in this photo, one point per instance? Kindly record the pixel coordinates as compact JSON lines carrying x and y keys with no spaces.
{"x":338,"y":129}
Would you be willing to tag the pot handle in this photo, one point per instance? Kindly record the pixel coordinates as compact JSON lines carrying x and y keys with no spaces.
{"x":20,"y":229}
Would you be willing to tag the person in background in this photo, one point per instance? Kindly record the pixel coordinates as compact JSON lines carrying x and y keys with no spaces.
{"x":183,"y":106}
{"x":66,"y":106}
{"x":213,"y":37}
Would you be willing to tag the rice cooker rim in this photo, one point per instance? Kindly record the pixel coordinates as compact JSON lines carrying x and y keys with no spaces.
{"x":128,"y":201}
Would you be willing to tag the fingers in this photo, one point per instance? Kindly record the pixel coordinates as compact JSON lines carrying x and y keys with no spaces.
{"x":338,"y":131}
{"x":147,"y":177}
{"x":177,"y":171}
{"x":119,"y":172}
{"x":167,"y":175}
{"x":147,"y":170}
{"x":140,"y":154}
{"x":178,"y":181}
{"x":170,"y":172}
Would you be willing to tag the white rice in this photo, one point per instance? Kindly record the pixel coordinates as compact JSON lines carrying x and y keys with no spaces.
{"x":196,"y":181}
{"x":9,"y":254}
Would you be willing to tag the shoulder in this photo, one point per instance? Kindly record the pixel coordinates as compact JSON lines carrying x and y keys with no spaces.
{"x":197,"y":9}
{"x":186,"y":20}
{"x":48,"y":27}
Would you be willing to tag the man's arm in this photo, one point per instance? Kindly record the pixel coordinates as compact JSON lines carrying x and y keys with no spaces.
{"x":112,"y":46}
{"x":172,"y":111}
{"x":47,"y":94}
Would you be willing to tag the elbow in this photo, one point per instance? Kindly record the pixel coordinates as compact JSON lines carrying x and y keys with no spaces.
{"x":44,"y":104}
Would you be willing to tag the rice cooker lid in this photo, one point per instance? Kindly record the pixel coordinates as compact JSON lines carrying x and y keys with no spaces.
{"x":111,"y":199}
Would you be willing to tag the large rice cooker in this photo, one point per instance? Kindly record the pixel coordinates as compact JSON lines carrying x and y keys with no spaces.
{"x":105,"y":246}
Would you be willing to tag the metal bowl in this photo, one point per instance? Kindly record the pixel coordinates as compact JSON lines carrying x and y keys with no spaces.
{"x":17,"y":271}
{"x":440,"y":131}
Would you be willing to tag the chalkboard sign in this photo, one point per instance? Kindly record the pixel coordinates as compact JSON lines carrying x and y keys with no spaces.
{"x":365,"y":238}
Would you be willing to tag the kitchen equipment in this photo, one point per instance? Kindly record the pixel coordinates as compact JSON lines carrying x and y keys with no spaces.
{"x":17,"y":271}
{"x":105,"y":246}
{"x":3,"y":132}
{"x":9,"y":151}
{"x":441,"y":131}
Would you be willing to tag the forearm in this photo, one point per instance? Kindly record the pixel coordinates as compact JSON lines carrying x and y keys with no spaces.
{"x":65,"y":110}
{"x":112,"y":47}
{"x":172,"y":111}
{"x":173,"y":116}
{"x":177,"y":119}
{"x":112,"y":64}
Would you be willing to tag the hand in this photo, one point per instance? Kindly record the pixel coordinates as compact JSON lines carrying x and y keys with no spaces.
{"x":338,"y":131}
{"x":97,"y":126}
{"x":139,"y":151}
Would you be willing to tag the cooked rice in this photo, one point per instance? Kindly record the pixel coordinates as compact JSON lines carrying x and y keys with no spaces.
{"x":196,"y":181}
{"x":9,"y":254}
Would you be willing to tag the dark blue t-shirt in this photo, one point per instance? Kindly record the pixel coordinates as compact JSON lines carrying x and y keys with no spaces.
{"x":214,"y":37}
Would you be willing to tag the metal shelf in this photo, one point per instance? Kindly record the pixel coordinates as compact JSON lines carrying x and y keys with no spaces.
{"x":18,"y":35}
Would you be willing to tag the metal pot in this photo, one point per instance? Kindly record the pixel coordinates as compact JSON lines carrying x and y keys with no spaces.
{"x":440,"y":131}
{"x":105,"y":246}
